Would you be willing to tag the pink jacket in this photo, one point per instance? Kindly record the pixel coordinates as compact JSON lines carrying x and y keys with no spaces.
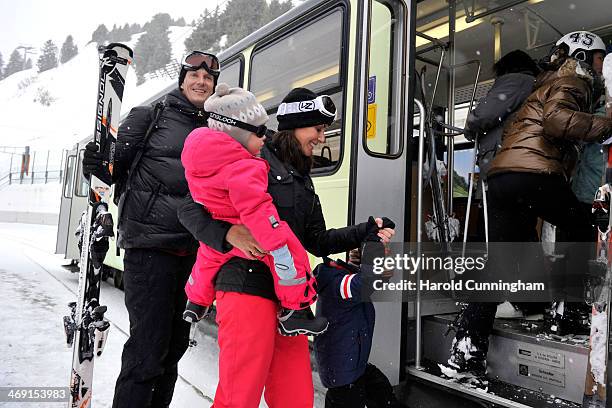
{"x":232,"y":184}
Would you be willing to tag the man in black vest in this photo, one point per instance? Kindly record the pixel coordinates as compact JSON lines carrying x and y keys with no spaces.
{"x":159,"y":252}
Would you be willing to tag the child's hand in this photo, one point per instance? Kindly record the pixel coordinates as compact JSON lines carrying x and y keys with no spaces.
{"x":354,"y":257}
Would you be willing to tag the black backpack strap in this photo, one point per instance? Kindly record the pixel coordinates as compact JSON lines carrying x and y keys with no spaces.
{"x":157,"y":111}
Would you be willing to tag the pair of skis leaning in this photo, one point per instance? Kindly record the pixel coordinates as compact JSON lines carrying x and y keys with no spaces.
{"x":86,"y":328}
{"x":595,"y":391}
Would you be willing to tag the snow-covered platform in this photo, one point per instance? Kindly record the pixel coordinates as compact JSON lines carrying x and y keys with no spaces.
{"x":34,"y":293}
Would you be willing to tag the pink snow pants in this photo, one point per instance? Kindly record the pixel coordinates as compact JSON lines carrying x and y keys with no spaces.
{"x":255,"y":358}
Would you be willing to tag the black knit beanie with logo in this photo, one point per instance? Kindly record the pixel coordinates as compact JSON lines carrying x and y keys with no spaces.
{"x":302,"y":119}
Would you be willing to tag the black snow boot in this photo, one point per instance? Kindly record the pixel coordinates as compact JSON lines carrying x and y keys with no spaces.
{"x":194,"y":313}
{"x":295,"y":322}
{"x":565,"y":318}
{"x":466,"y":355}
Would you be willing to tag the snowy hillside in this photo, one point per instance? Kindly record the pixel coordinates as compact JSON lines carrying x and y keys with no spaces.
{"x":55,"y":109}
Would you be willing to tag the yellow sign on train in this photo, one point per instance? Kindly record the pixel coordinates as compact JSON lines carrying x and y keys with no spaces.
{"x":371,"y":127}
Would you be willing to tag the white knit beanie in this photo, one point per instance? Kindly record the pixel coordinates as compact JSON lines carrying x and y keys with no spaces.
{"x":238,"y":104}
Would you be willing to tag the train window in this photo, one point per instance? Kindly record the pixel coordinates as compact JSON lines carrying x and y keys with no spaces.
{"x":69,"y":174}
{"x":310,"y":57}
{"x":384,"y":83}
{"x":82,"y":186}
{"x":307,"y":57}
{"x":231,"y":73}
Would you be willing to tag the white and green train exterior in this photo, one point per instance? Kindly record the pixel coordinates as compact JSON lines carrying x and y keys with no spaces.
{"x":364,"y":54}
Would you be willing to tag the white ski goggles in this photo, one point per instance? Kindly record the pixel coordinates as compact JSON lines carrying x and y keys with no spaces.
{"x":323,"y":104}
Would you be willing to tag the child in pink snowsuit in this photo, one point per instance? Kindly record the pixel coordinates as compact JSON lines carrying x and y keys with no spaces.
{"x":226,"y":176}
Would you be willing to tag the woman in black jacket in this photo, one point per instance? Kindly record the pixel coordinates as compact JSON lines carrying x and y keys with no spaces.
{"x":253,"y":355}
{"x":515,"y":75}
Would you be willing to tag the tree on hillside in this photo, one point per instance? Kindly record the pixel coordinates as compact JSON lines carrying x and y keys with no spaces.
{"x":239,"y":19}
{"x":180,"y":22}
{"x":153,"y":49}
{"x":100,"y":34}
{"x":48,"y":57}
{"x":207,"y":33}
{"x":135,"y":28}
{"x":276,"y":8}
{"x":15,"y":63}
{"x":1,"y":66}
{"x":69,"y":50}
{"x":119,"y":34}
{"x":242,"y":17}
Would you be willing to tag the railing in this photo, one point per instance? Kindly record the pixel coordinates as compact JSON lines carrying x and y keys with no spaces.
{"x":18,"y":165}
{"x":171,"y":70}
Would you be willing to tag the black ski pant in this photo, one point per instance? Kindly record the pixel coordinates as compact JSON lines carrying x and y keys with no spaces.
{"x":372,"y":389}
{"x":516,"y":201}
{"x":154,"y":284}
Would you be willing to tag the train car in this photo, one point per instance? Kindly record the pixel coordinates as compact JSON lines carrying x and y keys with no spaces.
{"x":387,"y":64}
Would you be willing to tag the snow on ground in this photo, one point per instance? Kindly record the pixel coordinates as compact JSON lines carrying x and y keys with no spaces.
{"x":30,"y":203}
{"x":33,"y":297}
{"x":31,"y":198}
{"x":70,"y":90}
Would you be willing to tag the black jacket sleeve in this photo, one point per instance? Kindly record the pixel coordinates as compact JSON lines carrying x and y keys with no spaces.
{"x":321,"y":241}
{"x":506,"y":96}
{"x":130,"y":139}
{"x":198,"y":221}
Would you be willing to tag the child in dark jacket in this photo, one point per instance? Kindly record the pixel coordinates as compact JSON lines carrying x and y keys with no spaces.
{"x":225,"y":174}
{"x":344,"y":299}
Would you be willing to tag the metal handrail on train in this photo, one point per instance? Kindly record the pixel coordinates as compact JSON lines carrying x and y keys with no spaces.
{"x":420,"y":163}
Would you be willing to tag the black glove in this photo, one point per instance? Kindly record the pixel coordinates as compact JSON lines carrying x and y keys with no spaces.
{"x":372,"y":228}
{"x":469,"y":134}
{"x":372,"y":247}
{"x":93,"y":163}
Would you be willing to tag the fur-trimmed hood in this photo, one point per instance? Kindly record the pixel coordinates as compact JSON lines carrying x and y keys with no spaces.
{"x":569,"y":68}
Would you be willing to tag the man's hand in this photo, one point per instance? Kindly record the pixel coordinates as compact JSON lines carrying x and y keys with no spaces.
{"x":93,"y":163}
{"x":240,"y":237}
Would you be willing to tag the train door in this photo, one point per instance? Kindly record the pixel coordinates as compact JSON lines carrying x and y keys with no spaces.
{"x":66,"y":202}
{"x":526,"y":366}
{"x":380,"y":177}
{"x":78,"y":203}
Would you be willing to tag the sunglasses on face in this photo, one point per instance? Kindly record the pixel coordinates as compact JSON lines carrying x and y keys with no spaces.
{"x":260,"y":130}
{"x":323,"y":104}
{"x":198,"y":59}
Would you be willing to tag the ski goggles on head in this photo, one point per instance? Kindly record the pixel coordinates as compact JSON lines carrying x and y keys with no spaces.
{"x":323,"y":104}
{"x":198,"y":59}
{"x":260,"y":130}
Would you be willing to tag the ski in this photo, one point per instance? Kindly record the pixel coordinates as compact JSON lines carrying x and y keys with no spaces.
{"x":600,"y":271}
{"x":86,"y":328}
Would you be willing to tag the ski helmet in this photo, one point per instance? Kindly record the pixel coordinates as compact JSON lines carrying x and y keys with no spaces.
{"x":580,"y":45}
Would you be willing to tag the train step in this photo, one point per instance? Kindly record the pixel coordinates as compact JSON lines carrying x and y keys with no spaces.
{"x":523,"y":363}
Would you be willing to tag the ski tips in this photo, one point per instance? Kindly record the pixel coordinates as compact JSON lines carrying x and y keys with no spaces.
{"x":120,"y":45}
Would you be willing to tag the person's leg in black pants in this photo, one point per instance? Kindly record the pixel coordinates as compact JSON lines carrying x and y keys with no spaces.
{"x":179,"y":341}
{"x":509,"y":221}
{"x":346,"y":396}
{"x":516,"y":201}
{"x":154,"y":296}
{"x":372,"y":389}
{"x":379,"y":392}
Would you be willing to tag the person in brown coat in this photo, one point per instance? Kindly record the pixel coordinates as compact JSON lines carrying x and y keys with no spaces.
{"x":529,"y":177}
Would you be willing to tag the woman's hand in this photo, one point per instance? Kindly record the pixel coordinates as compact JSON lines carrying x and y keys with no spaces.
{"x":385,"y":234}
{"x":240,"y":237}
